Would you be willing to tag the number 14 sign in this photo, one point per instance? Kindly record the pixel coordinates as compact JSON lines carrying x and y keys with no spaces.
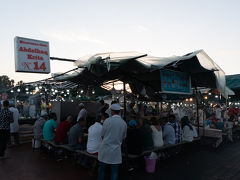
{"x":31,"y":55}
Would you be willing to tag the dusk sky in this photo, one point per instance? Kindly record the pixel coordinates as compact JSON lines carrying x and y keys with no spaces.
{"x":159,"y":28}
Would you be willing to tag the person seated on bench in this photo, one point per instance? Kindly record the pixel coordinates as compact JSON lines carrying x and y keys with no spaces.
{"x":195,"y":133}
{"x":61,"y":135}
{"x":213,"y":120}
{"x":50,"y":127}
{"x":192,"y":122}
{"x":76,"y":135}
{"x":134,"y":141}
{"x":168,"y":132}
{"x":38,"y":125}
{"x":219,"y":125}
{"x":156,"y":133}
{"x":146,"y":135}
{"x":94,"y":137}
{"x":83,"y":112}
{"x":187,"y":129}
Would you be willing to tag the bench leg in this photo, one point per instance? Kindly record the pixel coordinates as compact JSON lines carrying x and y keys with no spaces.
{"x":33,"y":146}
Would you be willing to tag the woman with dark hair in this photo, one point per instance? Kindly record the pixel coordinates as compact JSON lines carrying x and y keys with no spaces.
{"x":156,"y":133}
{"x":187,"y":129}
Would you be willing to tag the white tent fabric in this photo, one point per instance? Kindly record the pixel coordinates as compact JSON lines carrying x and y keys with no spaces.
{"x":149,"y":64}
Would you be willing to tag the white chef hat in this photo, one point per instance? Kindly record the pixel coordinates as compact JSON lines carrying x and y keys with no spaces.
{"x":115,"y":107}
{"x":43,"y":113}
{"x":81,"y":105}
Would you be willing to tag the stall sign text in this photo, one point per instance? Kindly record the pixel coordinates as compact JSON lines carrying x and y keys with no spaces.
{"x":31,"y":55}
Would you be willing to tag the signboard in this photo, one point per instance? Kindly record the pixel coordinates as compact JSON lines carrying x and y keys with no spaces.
{"x":31,"y":55}
{"x":175,"y":82}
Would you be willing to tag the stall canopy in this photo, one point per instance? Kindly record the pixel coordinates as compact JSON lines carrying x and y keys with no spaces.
{"x":142,"y":71}
{"x":233,"y":82}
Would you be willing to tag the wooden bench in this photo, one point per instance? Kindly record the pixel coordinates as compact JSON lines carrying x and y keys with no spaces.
{"x":214,"y":134}
{"x":51,"y":145}
{"x":164,"y":147}
{"x":67,"y":148}
{"x":236,"y":132}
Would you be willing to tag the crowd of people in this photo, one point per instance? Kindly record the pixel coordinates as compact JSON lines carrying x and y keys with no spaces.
{"x":217,"y":117}
{"x":146,"y":135}
{"x":104,"y":138}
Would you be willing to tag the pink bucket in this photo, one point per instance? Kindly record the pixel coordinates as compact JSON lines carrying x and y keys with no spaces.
{"x":150,"y":164}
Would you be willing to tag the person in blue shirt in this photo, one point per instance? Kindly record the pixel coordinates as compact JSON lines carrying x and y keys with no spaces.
{"x":50,"y":127}
{"x":168,"y":132}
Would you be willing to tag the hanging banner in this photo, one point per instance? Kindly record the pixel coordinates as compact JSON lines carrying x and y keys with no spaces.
{"x":31,"y":55}
{"x":175,"y":82}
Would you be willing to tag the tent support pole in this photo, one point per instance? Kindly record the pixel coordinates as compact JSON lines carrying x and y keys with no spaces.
{"x":124,"y":103}
{"x":197,"y":103}
{"x":47,"y":101}
{"x":125,"y":118}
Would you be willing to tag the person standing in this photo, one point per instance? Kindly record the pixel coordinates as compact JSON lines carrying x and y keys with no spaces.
{"x":108,"y":110}
{"x":134,"y":139}
{"x":131,"y":114}
{"x":100,"y":108}
{"x":38,"y":125}
{"x":38,"y":129}
{"x":146,"y":135}
{"x":114,"y":131}
{"x":82,"y":113}
{"x":177,"y":128}
{"x":141,"y":111}
{"x":188,"y":133}
{"x":14,"y":126}
{"x":168,"y":132}
{"x":156,"y":133}
{"x":218,"y":112}
{"x":6,"y":117}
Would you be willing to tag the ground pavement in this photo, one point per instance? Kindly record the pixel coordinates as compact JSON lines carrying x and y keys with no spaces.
{"x":203,"y":164}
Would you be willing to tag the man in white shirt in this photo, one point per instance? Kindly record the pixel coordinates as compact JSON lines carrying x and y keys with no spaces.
{"x":82,"y":113}
{"x":38,"y":129}
{"x":114,"y":130}
{"x":94,"y":137}
{"x":14,"y":126}
{"x":108,"y":111}
{"x":218,"y":112}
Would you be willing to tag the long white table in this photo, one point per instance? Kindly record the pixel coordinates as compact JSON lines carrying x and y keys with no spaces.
{"x":213,"y":133}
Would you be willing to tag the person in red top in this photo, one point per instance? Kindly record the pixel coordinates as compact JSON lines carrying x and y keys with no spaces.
{"x":63,"y":127}
{"x":233,"y":111}
{"x":213,"y":119}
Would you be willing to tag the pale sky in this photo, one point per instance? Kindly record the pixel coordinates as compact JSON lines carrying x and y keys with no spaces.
{"x":157,"y":27}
